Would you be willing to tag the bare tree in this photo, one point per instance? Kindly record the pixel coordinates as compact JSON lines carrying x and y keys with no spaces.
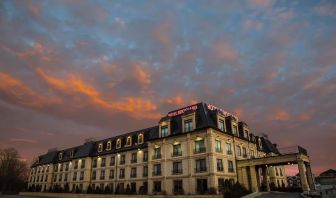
{"x":13,"y":171}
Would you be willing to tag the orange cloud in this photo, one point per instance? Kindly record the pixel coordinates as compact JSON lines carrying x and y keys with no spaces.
{"x":19,"y":92}
{"x":304,"y":117}
{"x":280,"y":115}
{"x":136,"y":106}
{"x":22,"y":140}
{"x":141,"y":75}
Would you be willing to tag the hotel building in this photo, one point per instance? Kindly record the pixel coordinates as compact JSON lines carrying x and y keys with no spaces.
{"x":193,"y":150}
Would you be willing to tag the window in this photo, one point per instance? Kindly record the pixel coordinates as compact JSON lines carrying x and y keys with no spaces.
{"x":221,"y":184}
{"x":221,"y":125}
{"x":145,"y":171}
{"x":280,"y":172}
{"x":118,"y":143}
{"x":218,"y":146}
{"x":66,"y":177}
{"x":145,"y":156}
{"x":59,"y":178}
{"x":246,"y":134}
{"x":276,"y":171}
{"x":140,"y":138}
{"x":234,"y":129}
{"x":94,"y":163}
{"x":122,"y":173}
{"x":76,"y":164}
{"x":100,"y":147}
{"x":220,"y":165}
{"x":252,"y":153}
{"x":238,"y":150}
{"x":157,"y":169}
{"x":157,"y":186}
{"x":133,"y":187}
{"x":60,"y":168}
{"x":200,"y":165}
{"x":112,"y":161}
{"x":244,"y":152}
{"x":157,"y":153}
{"x":46,"y":178}
{"x":83,"y":164}
{"x":103,"y":162}
{"x":122,"y":159}
{"x":71,"y":153}
{"x":164,"y":131}
{"x":228,"y":148}
{"x":60,"y":156}
{"x":133,"y":172}
{"x":74,"y":178}
{"x":66,"y":166}
{"x":102,"y":174}
{"x":111,"y":176}
{"x":81,"y":177}
{"x":178,"y":187}
{"x":108,"y":146}
{"x":177,"y":151}
{"x":199,"y":146}
{"x":134,"y":158}
{"x":177,"y":168}
{"x":188,"y":125}
{"x":230,"y":166}
{"x":129,"y":141}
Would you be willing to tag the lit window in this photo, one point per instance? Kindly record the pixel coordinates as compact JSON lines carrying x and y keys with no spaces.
{"x":108,"y":146}
{"x":129,"y":141}
{"x":140,"y":138}
{"x":100,"y":147}
{"x":60,"y":156}
{"x":164,"y":131}
{"x":188,"y":125}
{"x":118,"y":144}
{"x":221,"y":125}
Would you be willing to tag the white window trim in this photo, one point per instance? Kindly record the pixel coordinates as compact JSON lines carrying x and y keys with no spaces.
{"x":118,"y":146}
{"x":100,"y":147}
{"x":142,"y":138}
{"x":187,"y":117}
{"x":109,"y":145}
{"x":130,"y":142}
{"x":220,"y":117}
{"x":162,"y":124}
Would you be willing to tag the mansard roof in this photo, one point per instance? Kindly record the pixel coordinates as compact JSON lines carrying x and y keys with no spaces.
{"x":205,"y":116}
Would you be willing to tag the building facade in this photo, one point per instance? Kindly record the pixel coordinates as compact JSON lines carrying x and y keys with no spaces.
{"x":192,"y":150}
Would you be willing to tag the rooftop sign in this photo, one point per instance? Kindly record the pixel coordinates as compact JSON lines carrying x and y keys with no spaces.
{"x":225,"y":113}
{"x":181,"y":111}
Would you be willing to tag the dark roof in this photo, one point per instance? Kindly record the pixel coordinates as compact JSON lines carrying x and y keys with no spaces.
{"x":205,"y":115}
{"x":268,"y":146}
{"x":329,"y":173}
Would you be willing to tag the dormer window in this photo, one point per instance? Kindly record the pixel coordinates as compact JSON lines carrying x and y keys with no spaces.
{"x":221,"y":124}
{"x":246,"y":134}
{"x":259,"y":141}
{"x":140,"y":138}
{"x":129,"y":141}
{"x":71,"y":153}
{"x":100,"y":147}
{"x":60,"y":156}
{"x":188,"y":125}
{"x":108,"y":145}
{"x":118,"y":143}
{"x":164,"y":131}
{"x":234,"y":129}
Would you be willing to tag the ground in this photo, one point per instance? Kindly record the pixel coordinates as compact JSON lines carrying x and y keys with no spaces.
{"x":280,"y":195}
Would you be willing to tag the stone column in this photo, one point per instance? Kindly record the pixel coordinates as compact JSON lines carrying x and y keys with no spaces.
{"x":303,"y":177}
{"x":265,"y":178}
{"x":254,"y":180}
{"x":310,"y":177}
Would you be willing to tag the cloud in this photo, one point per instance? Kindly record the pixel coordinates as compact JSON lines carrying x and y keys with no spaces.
{"x":223,"y":51}
{"x":261,"y":3}
{"x":21,"y":140}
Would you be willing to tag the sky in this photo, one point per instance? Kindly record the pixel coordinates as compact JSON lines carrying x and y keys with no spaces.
{"x":71,"y":70}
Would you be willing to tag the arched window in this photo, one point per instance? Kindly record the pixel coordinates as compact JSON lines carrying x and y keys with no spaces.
{"x":140,"y":138}
{"x":129,"y":141}
{"x":118,"y":143}
{"x":108,"y":146}
{"x":100,"y":147}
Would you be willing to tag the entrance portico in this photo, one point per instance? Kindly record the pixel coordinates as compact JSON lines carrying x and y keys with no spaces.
{"x":248,"y":170}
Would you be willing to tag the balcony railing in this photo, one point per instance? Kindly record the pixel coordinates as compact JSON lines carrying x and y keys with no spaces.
{"x":219,"y":150}
{"x":221,"y":169}
{"x":102,"y":177}
{"x":176,"y":153}
{"x":244,"y":155}
{"x":157,"y":156}
{"x":111,"y":177}
{"x":177,"y":172}
{"x":199,"y":150}
{"x":144,"y":175}
{"x":121,"y":176}
{"x":156,"y":173}
{"x":122,"y":162}
{"x":134,"y":160}
{"x":229,"y":152}
{"x":133,"y":175}
{"x":230,"y":170}
{"x":200,"y":169}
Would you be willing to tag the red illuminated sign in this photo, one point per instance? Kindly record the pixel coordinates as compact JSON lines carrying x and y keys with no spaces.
{"x":225,"y":113}
{"x":181,"y":111}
